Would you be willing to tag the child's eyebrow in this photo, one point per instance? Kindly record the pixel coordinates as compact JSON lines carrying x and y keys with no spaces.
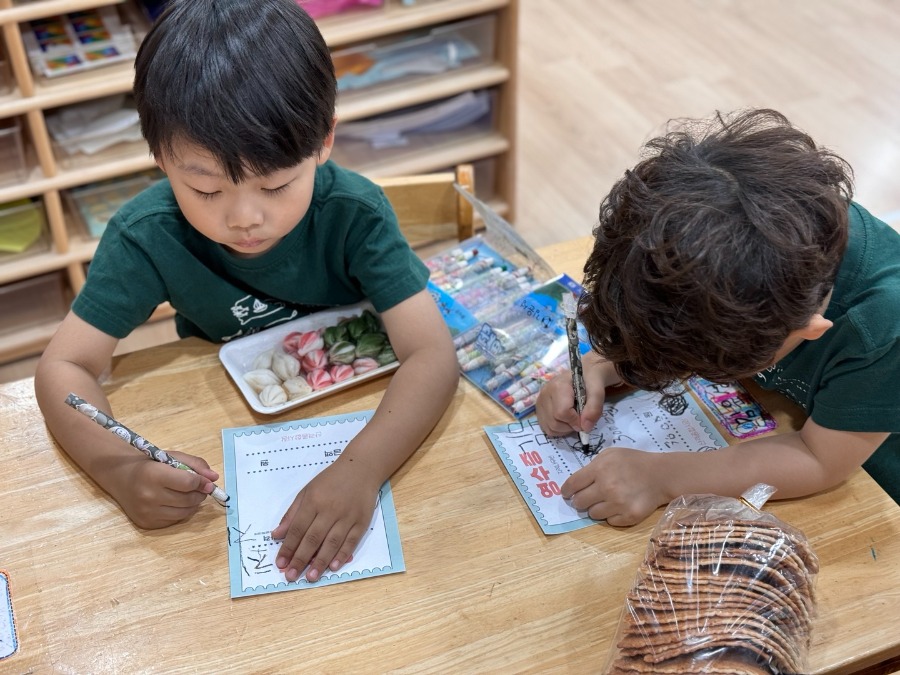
{"x":198,"y":170}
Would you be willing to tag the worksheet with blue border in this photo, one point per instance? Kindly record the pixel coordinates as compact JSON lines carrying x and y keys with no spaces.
{"x":539,"y":465}
{"x":265,"y":468}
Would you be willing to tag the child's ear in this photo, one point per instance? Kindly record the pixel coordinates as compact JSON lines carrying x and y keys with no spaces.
{"x":327,"y":144}
{"x":159,"y":163}
{"x":816,"y":327}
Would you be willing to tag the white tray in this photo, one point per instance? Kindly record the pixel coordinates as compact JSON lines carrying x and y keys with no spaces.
{"x":237,"y":356}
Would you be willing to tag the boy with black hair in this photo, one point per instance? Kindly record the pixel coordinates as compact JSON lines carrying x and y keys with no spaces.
{"x":733,"y":250}
{"x":252,"y":227}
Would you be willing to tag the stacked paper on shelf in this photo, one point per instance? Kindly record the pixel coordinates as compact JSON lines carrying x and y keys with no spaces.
{"x":93,"y":126}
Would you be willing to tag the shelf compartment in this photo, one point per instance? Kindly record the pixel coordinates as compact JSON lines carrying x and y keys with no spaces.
{"x":23,"y":230}
{"x":319,"y":9}
{"x":116,"y":78}
{"x":415,"y":57}
{"x":359,"y":105}
{"x":7,"y":82}
{"x":27,"y":11}
{"x":380,"y":144}
{"x":89,"y":207}
{"x":140,"y":160}
{"x":34,"y":302}
{"x":13,"y":167}
{"x":396,"y":17}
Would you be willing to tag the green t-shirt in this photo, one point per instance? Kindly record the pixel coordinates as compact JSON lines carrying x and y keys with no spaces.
{"x":348,"y":247}
{"x":849,"y":379}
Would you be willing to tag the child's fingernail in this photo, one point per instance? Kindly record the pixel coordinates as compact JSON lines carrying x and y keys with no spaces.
{"x":334,"y":565}
{"x":280,"y":562}
{"x":292,"y":574}
{"x":312,"y":575}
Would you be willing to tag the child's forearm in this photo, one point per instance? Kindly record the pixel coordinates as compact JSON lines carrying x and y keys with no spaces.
{"x":783,"y":460}
{"x":96,"y":451}
{"x":415,"y":400}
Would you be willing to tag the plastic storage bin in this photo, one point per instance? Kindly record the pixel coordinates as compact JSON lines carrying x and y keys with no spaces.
{"x":7,"y":84}
{"x":319,"y":8}
{"x":415,"y":55}
{"x":364,"y":145}
{"x":12,"y":151}
{"x":95,"y":131}
{"x":34,"y":301}
{"x":23,"y":229}
{"x":92,"y":205}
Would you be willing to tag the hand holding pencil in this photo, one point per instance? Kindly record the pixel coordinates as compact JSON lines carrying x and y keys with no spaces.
{"x":569,"y":309}
{"x":167,"y":495}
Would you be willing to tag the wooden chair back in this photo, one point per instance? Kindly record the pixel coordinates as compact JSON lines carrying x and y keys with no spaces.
{"x":428,"y":208}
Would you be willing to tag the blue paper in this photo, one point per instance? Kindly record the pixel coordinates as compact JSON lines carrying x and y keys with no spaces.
{"x":265,"y":468}
{"x":539,"y":465}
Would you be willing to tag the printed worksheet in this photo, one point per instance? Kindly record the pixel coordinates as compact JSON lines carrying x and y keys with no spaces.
{"x":265,"y":468}
{"x":540,"y":465}
{"x":9,"y":643}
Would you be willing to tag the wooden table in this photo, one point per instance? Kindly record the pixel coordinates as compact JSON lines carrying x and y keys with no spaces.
{"x":484,"y":590}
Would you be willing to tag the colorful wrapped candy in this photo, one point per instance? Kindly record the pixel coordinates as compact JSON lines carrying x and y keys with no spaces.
{"x":334,"y":334}
{"x":285,"y":365}
{"x":319,"y":379}
{"x":370,"y":344}
{"x":309,"y":341}
{"x":341,"y":372}
{"x":386,"y":356}
{"x":342,"y":352}
{"x":364,"y":365}
{"x":314,"y":360}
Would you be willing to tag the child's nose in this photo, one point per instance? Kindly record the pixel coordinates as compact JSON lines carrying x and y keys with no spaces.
{"x":244,"y":215}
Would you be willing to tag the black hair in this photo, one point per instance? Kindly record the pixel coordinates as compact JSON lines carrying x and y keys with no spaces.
{"x":250,"y":82}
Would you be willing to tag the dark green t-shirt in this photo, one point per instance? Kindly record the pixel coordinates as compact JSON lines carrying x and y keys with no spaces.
{"x":849,"y":379}
{"x":347,"y":248}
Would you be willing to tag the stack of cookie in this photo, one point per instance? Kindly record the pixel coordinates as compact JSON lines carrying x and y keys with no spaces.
{"x":719,"y":595}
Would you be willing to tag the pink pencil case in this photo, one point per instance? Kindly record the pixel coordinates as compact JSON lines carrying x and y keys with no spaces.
{"x":319,"y":8}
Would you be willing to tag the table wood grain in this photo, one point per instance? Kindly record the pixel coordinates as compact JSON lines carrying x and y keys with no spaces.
{"x":484,"y":590}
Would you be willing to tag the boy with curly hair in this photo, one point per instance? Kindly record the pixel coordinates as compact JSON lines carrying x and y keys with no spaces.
{"x":733,"y":250}
{"x":252,"y":227}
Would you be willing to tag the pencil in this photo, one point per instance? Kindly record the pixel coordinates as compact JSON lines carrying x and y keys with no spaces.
{"x":568,"y":303}
{"x":106,"y":421}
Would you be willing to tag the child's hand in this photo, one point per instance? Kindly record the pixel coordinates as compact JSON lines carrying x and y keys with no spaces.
{"x":326,"y":521}
{"x":555,"y":405}
{"x":619,"y":486}
{"x":154,"y":495}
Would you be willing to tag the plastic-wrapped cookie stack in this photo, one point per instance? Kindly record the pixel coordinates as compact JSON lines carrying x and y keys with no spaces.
{"x":723,"y":588}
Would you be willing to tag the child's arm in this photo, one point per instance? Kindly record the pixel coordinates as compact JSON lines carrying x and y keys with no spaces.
{"x":329,"y":516}
{"x":152,"y":494}
{"x":624,"y":486}
{"x":555,"y":406}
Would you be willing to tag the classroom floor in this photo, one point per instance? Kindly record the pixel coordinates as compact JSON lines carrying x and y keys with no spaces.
{"x":597,"y":79}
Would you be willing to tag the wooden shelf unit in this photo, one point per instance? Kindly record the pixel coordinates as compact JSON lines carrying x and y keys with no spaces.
{"x":46,"y":179}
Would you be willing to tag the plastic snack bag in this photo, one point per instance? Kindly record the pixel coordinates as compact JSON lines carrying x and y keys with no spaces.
{"x":724,"y":588}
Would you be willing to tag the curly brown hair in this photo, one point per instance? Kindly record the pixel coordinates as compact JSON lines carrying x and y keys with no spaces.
{"x":724,"y":238}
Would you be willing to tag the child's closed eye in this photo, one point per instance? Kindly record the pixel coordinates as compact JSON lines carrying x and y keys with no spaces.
{"x":205,"y":195}
{"x":275,"y":191}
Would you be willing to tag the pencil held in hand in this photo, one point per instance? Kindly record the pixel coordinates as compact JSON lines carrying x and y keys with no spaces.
{"x":106,"y":421}
{"x":569,"y":310}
